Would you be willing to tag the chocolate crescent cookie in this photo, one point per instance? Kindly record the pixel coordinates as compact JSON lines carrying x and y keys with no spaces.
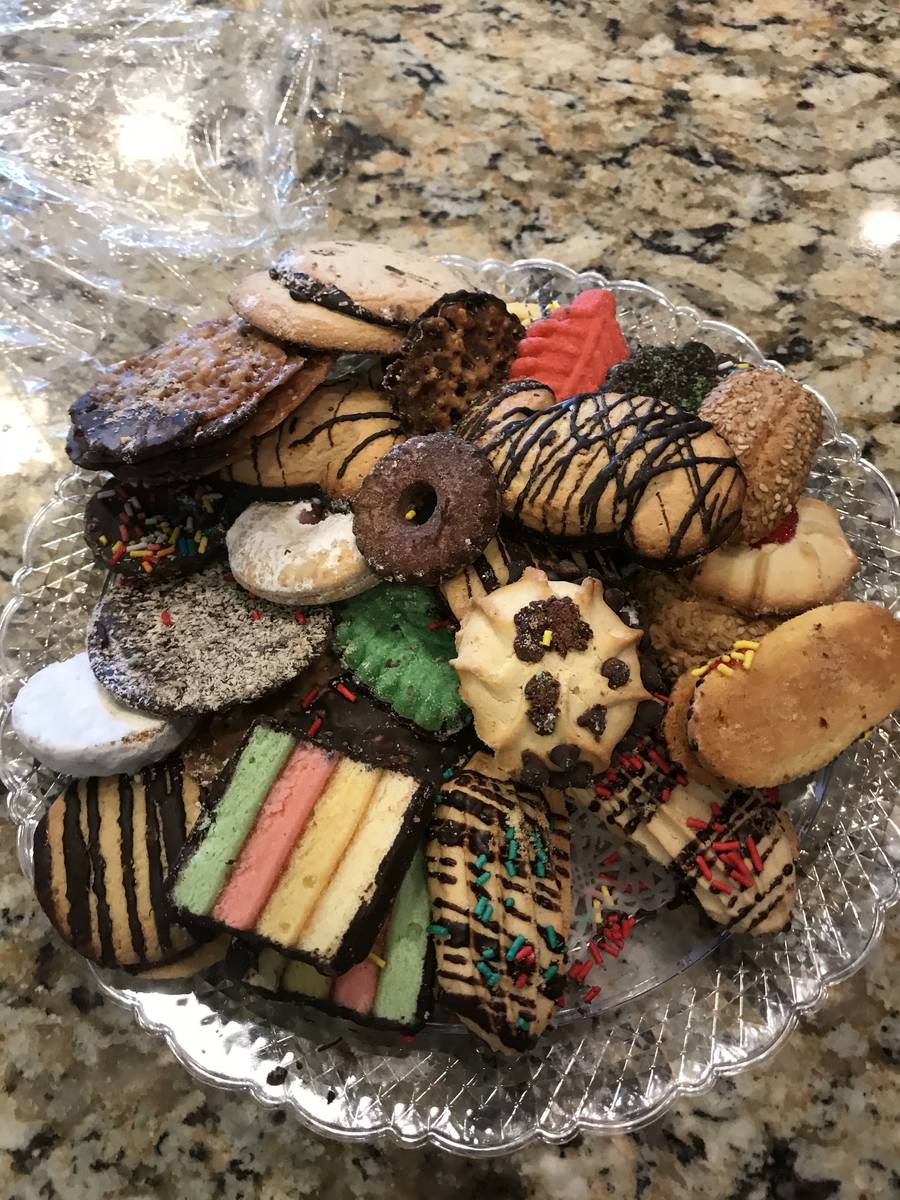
{"x":426,"y":509}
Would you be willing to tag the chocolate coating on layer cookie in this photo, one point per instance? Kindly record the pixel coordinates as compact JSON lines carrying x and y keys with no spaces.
{"x":426,"y":509}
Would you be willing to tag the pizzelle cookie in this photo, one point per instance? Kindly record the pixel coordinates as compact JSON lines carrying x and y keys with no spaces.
{"x":101,"y":854}
{"x":552,"y":677}
{"x":661,"y":479}
{"x":340,"y":295}
{"x":733,"y":850}
{"x":805,"y":563}
{"x":815,"y":684}
{"x":498,"y":873}
{"x":774,"y":427}
{"x":332,"y":441}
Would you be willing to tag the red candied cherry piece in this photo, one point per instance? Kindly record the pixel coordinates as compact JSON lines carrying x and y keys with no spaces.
{"x":571,"y":350}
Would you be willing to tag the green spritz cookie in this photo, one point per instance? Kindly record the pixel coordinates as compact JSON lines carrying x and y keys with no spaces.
{"x":393,"y":638}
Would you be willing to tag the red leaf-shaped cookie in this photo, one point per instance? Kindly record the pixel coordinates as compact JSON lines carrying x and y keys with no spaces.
{"x":571,"y":350}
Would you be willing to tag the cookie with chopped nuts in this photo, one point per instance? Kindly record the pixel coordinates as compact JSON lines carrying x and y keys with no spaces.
{"x":774,"y":427}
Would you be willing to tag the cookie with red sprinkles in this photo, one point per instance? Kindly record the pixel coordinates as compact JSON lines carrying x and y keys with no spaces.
{"x":571,"y":350}
{"x":156,"y":532}
{"x":199,"y":645}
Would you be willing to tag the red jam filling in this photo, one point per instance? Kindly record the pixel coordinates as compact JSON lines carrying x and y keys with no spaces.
{"x":783,"y":533}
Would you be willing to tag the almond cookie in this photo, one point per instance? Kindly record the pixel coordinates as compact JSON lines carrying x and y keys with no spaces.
{"x":501,"y":899}
{"x":686,"y":629}
{"x":816,"y":683}
{"x":459,"y":347}
{"x":101,"y":854}
{"x":191,"y":391}
{"x":552,"y":677}
{"x":806,"y":562}
{"x":332,"y":441}
{"x":426,"y":509}
{"x":297,"y":554}
{"x":351,"y":296}
{"x":661,"y":479}
{"x":774,"y":427}
{"x":733,"y":850}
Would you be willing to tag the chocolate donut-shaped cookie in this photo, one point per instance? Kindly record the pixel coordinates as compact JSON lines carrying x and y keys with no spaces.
{"x":426,"y":509}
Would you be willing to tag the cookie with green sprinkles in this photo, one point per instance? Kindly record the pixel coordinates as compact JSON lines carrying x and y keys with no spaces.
{"x":501,"y":903}
{"x":679,"y":375}
{"x":397,"y":643}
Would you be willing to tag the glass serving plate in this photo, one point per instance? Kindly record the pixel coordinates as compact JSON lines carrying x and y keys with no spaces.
{"x":684,"y":1003}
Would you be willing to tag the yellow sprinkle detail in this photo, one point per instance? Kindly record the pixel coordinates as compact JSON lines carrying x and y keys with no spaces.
{"x":748,"y":660}
{"x":174,"y":535}
{"x":116,"y":546}
{"x":548,"y":637}
{"x":697,"y":671}
{"x":103,"y":539}
{"x":379,"y":962}
{"x":724,"y":670}
{"x":411,"y":515}
{"x":201,"y":547}
{"x":207,"y":504}
{"x":746,"y":645}
{"x":606,"y":893}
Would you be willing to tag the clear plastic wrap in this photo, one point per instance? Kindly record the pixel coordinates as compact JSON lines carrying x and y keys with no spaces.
{"x":149,"y":150}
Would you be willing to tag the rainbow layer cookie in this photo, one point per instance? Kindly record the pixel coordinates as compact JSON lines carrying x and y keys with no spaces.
{"x":390,"y":989}
{"x":302,"y":849}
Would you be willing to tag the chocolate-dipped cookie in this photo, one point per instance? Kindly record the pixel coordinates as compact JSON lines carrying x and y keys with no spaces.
{"x":101,"y":854}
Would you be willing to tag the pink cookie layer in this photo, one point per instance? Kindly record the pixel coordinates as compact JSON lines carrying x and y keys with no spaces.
{"x":356,"y":989}
{"x":279,"y":824}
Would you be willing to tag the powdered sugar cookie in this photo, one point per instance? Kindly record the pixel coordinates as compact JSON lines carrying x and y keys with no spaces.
{"x":72,"y":725}
{"x":297,"y":554}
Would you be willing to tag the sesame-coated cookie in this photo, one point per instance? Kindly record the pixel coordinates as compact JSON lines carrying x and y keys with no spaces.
{"x":774,"y":427}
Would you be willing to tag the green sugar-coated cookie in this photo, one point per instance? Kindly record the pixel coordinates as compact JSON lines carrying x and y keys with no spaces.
{"x":394,"y":640}
{"x":680,"y":375}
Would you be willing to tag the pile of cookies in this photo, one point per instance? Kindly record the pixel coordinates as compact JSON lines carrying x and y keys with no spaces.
{"x":398,"y":576}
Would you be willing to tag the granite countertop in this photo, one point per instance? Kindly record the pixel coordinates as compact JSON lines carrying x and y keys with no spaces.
{"x":744,"y":166}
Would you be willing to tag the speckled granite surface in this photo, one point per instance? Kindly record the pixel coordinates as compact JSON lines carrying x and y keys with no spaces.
{"x":744,"y":165}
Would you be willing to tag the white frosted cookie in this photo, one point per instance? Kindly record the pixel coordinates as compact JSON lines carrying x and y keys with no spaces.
{"x":808,"y":562}
{"x":73,"y":725}
{"x":297,"y":554}
{"x":343,"y":295}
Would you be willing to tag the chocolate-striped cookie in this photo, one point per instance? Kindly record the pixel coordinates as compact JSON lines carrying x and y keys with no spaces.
{"x":498,"y":873}
{"x":101,"y":854}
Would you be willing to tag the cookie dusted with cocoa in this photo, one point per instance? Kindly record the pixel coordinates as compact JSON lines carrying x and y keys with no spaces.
{"x":552,"y":676}
{"x":459,"y":347}
{"x":660,"y":479}
{"x":426,"y":509}
{"x":774,"y":427}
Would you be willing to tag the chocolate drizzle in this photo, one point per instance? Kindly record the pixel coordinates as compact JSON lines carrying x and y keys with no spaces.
{"x":511,"y":865}
{"x":622,"y":445}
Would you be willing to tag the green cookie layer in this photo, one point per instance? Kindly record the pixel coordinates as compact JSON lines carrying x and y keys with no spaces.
{"x":383,"y":636}
{"x":400,"y":983}
{"x":203,"y":876}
